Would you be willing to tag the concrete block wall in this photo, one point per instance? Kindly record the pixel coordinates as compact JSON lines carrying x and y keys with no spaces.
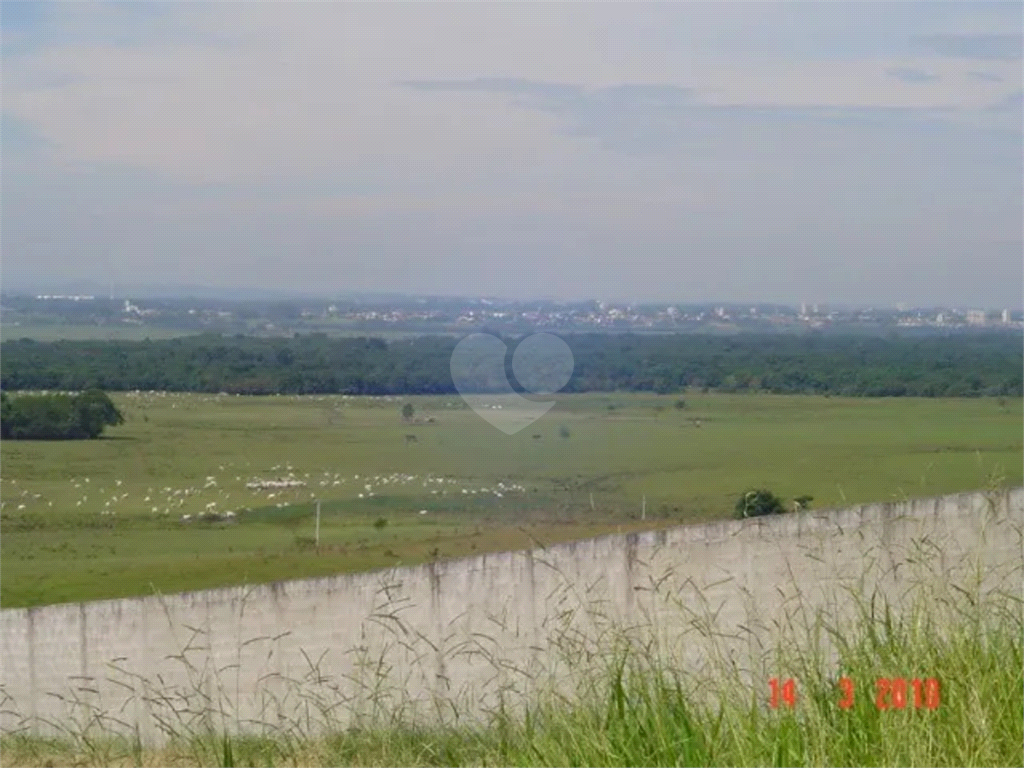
{"x":469,"y":635}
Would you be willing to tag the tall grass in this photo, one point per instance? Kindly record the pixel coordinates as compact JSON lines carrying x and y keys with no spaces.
{"x":632,"y":709}
{"x":610,"y":694}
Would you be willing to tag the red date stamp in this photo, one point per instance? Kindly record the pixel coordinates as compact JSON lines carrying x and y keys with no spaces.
{"x":890,"y":693}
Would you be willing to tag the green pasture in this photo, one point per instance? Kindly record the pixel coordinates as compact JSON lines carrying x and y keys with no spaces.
{"x":88,"y":332}
{"x":98,"y":519}
{"x":46,"y":332}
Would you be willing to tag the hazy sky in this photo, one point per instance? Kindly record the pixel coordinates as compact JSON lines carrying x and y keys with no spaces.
{"x":856,"y":152}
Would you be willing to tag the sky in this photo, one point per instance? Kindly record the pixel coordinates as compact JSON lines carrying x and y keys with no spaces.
{"x":851,"y":153}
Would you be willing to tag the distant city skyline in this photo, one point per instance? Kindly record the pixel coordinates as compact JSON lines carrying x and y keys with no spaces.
{"x":844,"y":152}
{"x":81,"y":291}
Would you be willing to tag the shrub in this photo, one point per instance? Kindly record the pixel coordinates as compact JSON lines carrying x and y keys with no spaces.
{"x":758,"y":502}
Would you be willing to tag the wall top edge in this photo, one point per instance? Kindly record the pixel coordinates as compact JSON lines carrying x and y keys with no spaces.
{"x":719,"y":530}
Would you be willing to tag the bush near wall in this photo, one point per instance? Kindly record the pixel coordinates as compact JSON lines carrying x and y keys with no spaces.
{"x":758,"y":502}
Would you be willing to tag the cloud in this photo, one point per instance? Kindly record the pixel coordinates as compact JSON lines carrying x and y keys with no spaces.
{"x":985,"y":77}
{"x":644,"y":114}
{"x":21,"y":140}
{"x":651,"y":119}
{"x":293,"y":93}
{"x":1011,"y":103}
{"x":911,"y":75}
{"x":494,"y":85}
{"x":985,"y":47}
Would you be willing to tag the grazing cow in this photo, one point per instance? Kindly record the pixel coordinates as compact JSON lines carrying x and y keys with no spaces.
{"x":411,"y":439}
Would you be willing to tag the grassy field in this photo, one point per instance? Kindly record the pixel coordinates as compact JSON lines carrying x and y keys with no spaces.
{"x":99,"y":519}
{"x":68,"y":332}
{"x":39,"y":331}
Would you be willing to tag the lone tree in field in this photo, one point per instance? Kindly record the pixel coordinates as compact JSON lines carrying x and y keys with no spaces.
{"x":57,"y":416}
{"x":759,"y":502}
{"x":408,"y":411}
{"x":95,"y":411}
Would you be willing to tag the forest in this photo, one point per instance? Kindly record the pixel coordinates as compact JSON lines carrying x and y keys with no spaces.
{"x":982,"y":364}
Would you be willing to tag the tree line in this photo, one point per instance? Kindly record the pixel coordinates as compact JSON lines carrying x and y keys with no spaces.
{"x":57,"y":416}
{"x":987,"y":364}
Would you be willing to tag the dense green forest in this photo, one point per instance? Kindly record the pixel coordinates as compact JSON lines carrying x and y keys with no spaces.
{"x":956,"y":365}
{"x":57,"y":416}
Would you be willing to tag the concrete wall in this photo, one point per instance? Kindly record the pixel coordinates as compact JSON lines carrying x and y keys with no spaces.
{"x":466,"y":635}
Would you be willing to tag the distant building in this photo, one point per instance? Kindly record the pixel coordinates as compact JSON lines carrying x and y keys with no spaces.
{"x":1006,"y":316}
{"x":976,"y":317}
